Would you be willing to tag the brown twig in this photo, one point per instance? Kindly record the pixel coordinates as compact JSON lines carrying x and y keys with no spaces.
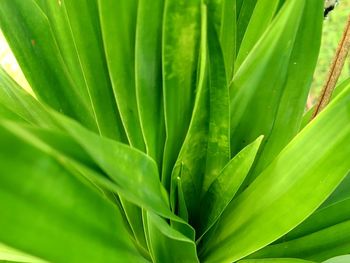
{"x":335,"y":70}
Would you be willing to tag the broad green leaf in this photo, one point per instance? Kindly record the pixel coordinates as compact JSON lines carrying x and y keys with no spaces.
{"x":133,"y":171}
{"x":46,"y":213}
{"x":321,"y":219}
{"x":167,"y":244}
{"x":342,"y":193}
{"x":22,"y":104}
{"x":275,"y":260}
{"x":34,"y":46}
{"x":318,"y":246}
{"x":181,"y":31}
{"x":340,"y":259}
{"x":148,"y":76}
{"x":262,"y":16}
{"x":226,"y":185}
{"x":301,"y":177}
{"x":9,"y":115}
{"x":62,"y":147}
{"x":335,"y":210}
{"x":291,"y":105}
{"x":255,"y":98}
{"x":119,"y":44}
{"x":8,"y":254}
{"x":136,"y":174}
{"x":57,"y":17}
{"x":79,"y":40}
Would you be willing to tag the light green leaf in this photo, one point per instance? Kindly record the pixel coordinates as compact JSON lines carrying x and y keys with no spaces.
{"x":190,"y":165}
{"x":21,"y":104}
{"x":256,"y":97}
{"x":301,"y":177}
{"x":181,"y":31}
{"x":79,"y":40}
{"x":275,"y":260}
{"x":119,"y":44}
{"x":291,"y":105}
{"x":228,"y":36}
{"x":134,"y":172}
{"x":321,"y":219}
{"x":318,"y":246}
{"x":334,"y":210}
{"x":226,"y":185}
{"x":62,"y":213}
{"x":218,"y":148}
{"x":148,"y":74}
{"x":167,"y":244}
{"x":223,"y":17}
{"x":262,"y":16}
{"x":8,"y":254}
{"x":34,"y":46}
{"x":340,"y":259}
{"x":245,"y":9}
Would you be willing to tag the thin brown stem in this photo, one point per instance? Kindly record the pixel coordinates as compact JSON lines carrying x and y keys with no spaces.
{"x":335,"y":70}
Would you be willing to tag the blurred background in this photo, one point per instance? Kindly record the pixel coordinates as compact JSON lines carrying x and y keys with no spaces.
{"x":333,"y":28}
{"x":332,"y":31}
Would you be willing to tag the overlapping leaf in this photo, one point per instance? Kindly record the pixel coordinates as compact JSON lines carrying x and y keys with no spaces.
{"x":62,"y":214}
{"x":302,"y":176}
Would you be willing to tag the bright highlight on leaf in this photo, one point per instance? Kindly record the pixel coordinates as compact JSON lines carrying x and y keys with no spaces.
{"x":170,"y":131}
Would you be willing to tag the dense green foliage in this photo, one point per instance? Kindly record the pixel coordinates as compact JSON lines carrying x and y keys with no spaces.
{"x":170,"y":131}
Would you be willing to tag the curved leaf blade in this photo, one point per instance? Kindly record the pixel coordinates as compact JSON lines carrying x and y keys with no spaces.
{"x":180,"y":50}
{"x":314,"y":162}
{"x":69,"y":215}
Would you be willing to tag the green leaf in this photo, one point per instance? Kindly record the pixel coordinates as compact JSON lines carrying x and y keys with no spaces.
{"x":228,"y":36}
{"x":119,"y":44}
{"x":167,"y":244}
{"x":301,"y":177}
{"x":318,"y":246}
{"x":245,"y":10}
{"x":57,"y":17}
{"x":148,"y":74}
{"x":134,"y":172}
{"x":223,"y":17}
{"x":21,"y":104}
{"x":321,"y":219}
{"x":340,"y":259}
{"x":275,"y":260}
{"x":34,"y":46}
{"x":226,"y":185}
{"x":190,"y":165}
{"x":181,"y":31}
{"x":45,"y":213}
{"x":261,"y":18}
{"x":291,"y":105}
{"x":256,"y":97}
{"x":218,"y":148}
{"x":342,"y":193}
{"x":334,"y":210}
{"x":79,"y":40}
{"x":8,"y":254}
